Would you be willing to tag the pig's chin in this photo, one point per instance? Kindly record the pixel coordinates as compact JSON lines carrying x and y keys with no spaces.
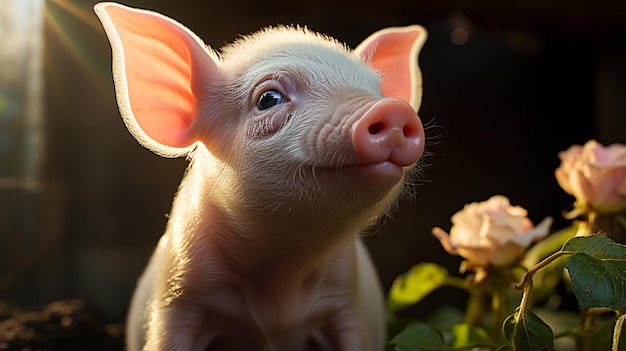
{"x":364,"y":184}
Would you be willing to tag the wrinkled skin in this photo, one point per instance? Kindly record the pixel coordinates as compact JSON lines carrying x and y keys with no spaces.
{"x":296,"y":144}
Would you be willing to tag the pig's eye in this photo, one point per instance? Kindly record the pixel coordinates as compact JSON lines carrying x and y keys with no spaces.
{"x":269,"y":99}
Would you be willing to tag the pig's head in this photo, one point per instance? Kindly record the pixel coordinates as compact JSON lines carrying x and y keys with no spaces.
{"x":290,"y":121}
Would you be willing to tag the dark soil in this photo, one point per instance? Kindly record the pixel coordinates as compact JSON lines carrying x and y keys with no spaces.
{"x":63,"y":325}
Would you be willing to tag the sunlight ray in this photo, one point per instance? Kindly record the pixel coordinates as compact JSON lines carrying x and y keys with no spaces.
{"x":74,"y":29}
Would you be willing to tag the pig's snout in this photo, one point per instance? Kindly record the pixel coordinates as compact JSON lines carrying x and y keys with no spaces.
{"x":389,"y":131}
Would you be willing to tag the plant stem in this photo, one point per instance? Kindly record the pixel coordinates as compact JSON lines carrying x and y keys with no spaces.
{"x":527,"y":283}
{"x":583,"y":343}
{"x":617,"y":331}
{"x":497,"y":304}
{"x":592,"y":220}
{"x":459,"y":283}
{"x":475,"y":307}
{"x":546,"y":261}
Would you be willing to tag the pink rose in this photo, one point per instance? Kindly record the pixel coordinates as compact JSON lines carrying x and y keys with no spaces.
{"x":491,"y":232}
{"x":595,"y":175}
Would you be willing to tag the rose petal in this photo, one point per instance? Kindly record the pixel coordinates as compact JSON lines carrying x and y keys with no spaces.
{"x":541,"y":230}
{"x":611,"y":156}
{"x":581,"y":188}
{"x":507,"y":254}
{"x":477,"y":256}
{"x":606,"y":182}
{"x":501,"y":235}
{"x":444,"y":239}
{"x":562,"y":177}
{"x":465,"y":224}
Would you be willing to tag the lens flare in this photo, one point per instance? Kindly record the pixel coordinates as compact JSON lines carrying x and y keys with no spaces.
{"x":73,"y":38}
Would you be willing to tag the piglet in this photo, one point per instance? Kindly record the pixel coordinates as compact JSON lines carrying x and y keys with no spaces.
{"x":297,"y":144}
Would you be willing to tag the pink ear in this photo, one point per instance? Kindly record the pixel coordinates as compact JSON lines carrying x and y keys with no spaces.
{"x":393,"y":52}
{"x":158,"y":66}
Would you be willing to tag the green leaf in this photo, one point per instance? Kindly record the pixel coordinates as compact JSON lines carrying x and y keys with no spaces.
{"x":562,"y":322}
{"x":598,"y":282}
{"x":599,"y":246}
{"x":528,"y":332}
{"x":446,"y":317}
{"x":598,"y":271}
{"x":466,"y":335}
{"x":419,"y":337}
{"x":414,"y":285}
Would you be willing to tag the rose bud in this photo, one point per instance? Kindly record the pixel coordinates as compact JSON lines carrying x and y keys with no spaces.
{"x":595,"y":175}
{"x":491,"y":233}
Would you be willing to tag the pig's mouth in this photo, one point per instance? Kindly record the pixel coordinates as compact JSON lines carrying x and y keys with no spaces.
{"x":371,"y":171}
{"x":386,"y":169}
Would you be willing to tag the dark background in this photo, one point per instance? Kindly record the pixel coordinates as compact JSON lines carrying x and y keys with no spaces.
{"x":531,"y":80}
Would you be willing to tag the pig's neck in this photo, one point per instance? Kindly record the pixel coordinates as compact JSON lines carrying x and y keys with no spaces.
{"x":248,"y":240}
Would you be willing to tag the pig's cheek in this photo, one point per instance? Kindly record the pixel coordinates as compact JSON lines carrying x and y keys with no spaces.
{"x":268,"y":124}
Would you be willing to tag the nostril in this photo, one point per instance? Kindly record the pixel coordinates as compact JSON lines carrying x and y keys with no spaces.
{"x":410,"y":131}
{"x":376,"y":128}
